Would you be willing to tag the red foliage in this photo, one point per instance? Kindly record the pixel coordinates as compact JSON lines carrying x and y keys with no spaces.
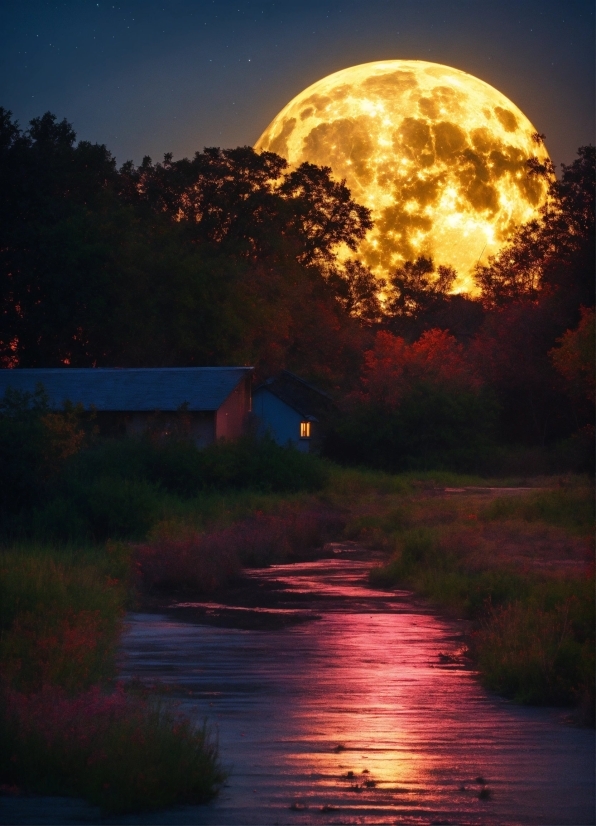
{"x":207,"y":561}
{"x":510,"y":349}
{"x":574,"y":357}
{"x":62,"y":650}
{"x":394,"y":367}
{"x":54,"y":716}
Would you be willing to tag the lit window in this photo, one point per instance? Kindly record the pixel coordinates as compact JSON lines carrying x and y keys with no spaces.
{"x":305,"y":430}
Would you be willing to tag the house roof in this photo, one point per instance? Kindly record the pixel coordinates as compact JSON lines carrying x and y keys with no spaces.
{"x":130,"y":389}
{"x":298,"y":394}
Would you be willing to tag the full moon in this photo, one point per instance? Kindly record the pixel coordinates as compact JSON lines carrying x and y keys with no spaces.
{"x":438,"y":155}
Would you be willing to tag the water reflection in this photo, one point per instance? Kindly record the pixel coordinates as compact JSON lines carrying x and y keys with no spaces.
{"x":365,"y":715}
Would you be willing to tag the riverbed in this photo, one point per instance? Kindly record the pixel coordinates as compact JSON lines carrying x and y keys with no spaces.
{"x":336,"y":704}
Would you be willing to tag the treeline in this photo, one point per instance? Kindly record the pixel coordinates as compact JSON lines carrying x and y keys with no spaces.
{"x":228,"y":258}
{"x":232,"y":258}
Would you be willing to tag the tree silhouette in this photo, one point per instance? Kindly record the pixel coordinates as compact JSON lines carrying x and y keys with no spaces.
{"x":223,"y":258}
{"x":554,"y":252}
{"x":250,"y":205}
{"x":416,"y":287}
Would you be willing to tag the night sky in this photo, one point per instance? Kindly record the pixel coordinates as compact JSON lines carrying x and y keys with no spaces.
{"x":147,"y":77}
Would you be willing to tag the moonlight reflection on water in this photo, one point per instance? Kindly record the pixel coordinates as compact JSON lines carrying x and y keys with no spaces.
{"x":365,"y":714}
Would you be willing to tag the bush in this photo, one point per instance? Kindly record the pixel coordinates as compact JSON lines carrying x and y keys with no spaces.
{"x":206,"y":562}
{"x":261,"y":465}
{"x":122,"y":753}
{"x":34,"y":445}
{"x":119,"y":489}
{"x":173,"y":466}
{"x":181,"y":468}
{"x":432,"y":428}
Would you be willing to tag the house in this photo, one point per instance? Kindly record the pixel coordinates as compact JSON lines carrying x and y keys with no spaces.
{"x":292,"y":412}
{"x":208,"y":402}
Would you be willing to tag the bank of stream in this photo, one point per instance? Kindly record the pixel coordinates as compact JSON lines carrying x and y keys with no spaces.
{"x":337,"y":704}
{"x":334,"y":703}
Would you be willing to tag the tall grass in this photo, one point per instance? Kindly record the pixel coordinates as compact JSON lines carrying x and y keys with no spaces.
{"x":59,"y":623}
{"x":65,"y":727}
{"x":123,"y":753}
{"x":534,"y":637}
{"x":536,"y":654}
{"x":570,"y":507}
{"x":206,"y":562}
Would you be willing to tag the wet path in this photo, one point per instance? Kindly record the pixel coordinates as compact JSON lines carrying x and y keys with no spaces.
{"x":364,"y":713}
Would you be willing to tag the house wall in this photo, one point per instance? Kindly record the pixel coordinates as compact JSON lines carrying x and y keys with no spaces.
{"x":229,"y":422}
{"x":279,"y":420}
{"x":232,"y":417}
{"x":199,"y":425}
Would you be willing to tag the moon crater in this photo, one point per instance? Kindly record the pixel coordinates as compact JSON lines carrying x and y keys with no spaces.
{"x":438,"y":155}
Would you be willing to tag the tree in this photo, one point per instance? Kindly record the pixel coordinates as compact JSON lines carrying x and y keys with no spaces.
{"x":224,"y":258}
{"x":418,"y":405}
{"x":357,"y":291}
{"x":250,"y":205}
{"x":573,"y":358}
{"x":511,"y":354}
{"x":416,"y":287}
{"x":393,"y":367}
{"x":58,"y":231}
{"x":325,"y":216}
{"x":554,"y":253}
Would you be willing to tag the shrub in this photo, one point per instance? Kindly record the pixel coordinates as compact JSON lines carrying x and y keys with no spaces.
{"x":433,"y":428}
{"x":122,"y":753}
{"x":205,"y":562}
{"x":119,"y":489}
{"x":180,"y":467}
{"x":35,"y":443}
{"x":261,"y":465}
{"x":198,"y":563}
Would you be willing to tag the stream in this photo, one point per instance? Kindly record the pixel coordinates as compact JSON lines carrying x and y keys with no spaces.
{"x":333,"y":703}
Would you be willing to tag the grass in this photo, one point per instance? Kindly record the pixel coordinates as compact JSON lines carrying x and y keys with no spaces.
{"x":120,"y":752}
{"x":513,"y":564}
{"x":520,"y":567}
{"x":538,"y":654}
{"x":206,"y":562}
{"x":66,"y":726}
{"x":59,"y":622}
{"x":569,"y":507}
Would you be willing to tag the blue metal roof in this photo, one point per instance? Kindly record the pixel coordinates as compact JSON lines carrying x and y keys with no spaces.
{"x":129,"y":389}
